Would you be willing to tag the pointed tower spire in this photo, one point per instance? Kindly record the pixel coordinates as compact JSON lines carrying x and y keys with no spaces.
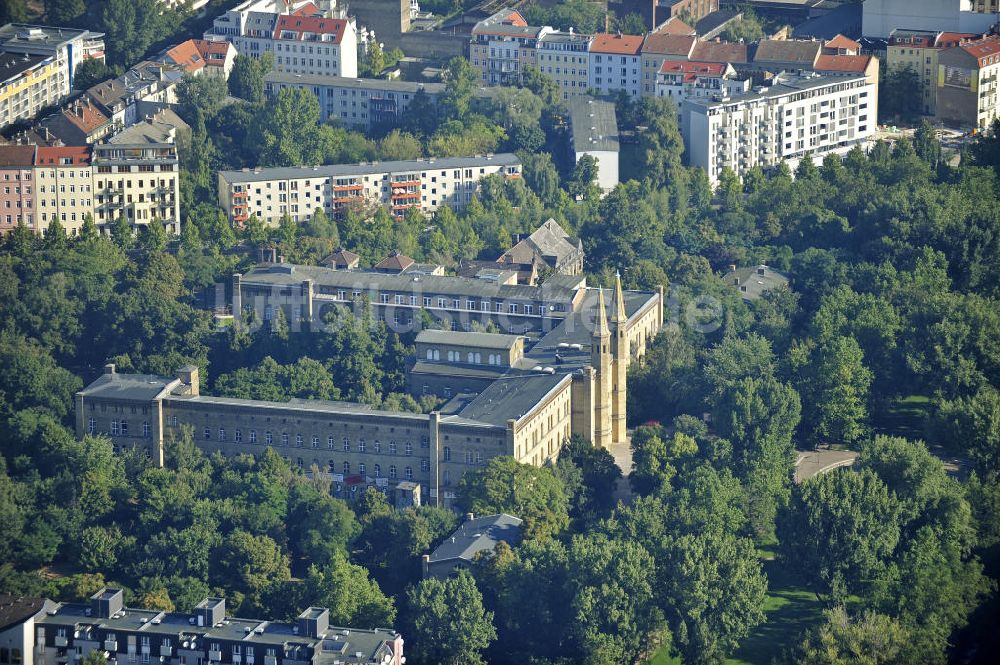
{"x":620,"y":316}
{"x":601,"y":329}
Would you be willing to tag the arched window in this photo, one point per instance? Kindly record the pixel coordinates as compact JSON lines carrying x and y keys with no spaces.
{"x":378,"y":471}
{"x":361,"y":445}
{"x":408,"y":472}
{"x":315,"y":441}
{"x":471,"y":357}
{"x":378,"y":446}
{"x":361,"y":469}
{"x":392,"y":471}
{"x":409,"y":448}
{"x":347,"y":468}
{"x":437,"y":355}
{"x":268,"y":437}
{"x":238,"y":436}
{"x":392,"y":447}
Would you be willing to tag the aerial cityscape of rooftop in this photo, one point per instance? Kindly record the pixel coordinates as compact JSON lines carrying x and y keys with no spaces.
{"x":499,"y":331}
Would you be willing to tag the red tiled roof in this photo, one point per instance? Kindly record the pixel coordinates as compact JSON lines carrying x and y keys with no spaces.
{"x":983,"y":49}
{"x":85,"y":116}
{"x":948,"y":39}
{"x":395,"y":261}
{"x":842,"y":63}
{"x":691,"y":67}
{"x":17,"y":155}
{"x":56,"y":156}
{"x":314,"y":24}
{"x":186,"y":56}
{"x":617,"y":44}
{"x":719,"y":52}
{"x":840,"y":41}
{"x":674,"y":26}
{"x":308,"y":9}
{"x":662,"y":44}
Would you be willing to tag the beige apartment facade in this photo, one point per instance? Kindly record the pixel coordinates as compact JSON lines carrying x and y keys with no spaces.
{"x":139,"y":182}
{"x":64,"y":176}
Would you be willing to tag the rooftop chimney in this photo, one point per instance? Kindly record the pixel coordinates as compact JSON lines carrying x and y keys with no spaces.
{"x":188,"y":374}
{"x":109,"y":368}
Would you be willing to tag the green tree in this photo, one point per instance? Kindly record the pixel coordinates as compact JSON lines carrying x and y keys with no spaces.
{"x":448,"y":623}
{"x":64,"y":12}
{"x":834,"y":383}
{"x":91,"y":72}
{"x":868,"y":639}
{"x":14,"y":11}
{"x":461,"y":81}
{"x":506,"y":486}
{"x":246,"y":81}
{"x":346,"y":590}
{"x":839,"y":532}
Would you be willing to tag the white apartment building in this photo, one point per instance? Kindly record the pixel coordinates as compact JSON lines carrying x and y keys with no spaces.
{"x":810,"y":114}
{"x":616,"y":64}
{"x":356,"y":102}
{"x":312,"y":38}
{"x":678,"y":80}
{"x":425,"y":184}
{"x":593,"y":128}
{"x":37,"y":65}
{"x":139,"y":181}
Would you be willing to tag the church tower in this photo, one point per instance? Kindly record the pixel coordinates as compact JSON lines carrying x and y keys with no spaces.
{"x":620,"y":360}
{"x":600,"y":351}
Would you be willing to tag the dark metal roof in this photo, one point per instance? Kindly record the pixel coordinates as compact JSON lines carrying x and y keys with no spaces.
{"x":15,"y":609}
{"x":477,"y":535}
{"x":143,"y":387}
{"x":511,"y":397}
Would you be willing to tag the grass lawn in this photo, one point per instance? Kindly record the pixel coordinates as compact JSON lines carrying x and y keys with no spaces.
{"x":905,"y":417}
{"x":791,"y":609}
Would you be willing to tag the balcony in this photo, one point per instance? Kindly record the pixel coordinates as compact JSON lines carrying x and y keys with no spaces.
{"x":215,"y":656}
{"x":111,"y":645}
{"x":166,"y":652}
{"x":61,"y":641}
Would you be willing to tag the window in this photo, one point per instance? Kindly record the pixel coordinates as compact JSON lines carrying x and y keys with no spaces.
{"x":298,"y":440}
{"x":268,"y":437}
{"x":145,"y":429}
{"x":361,"y":469}
{"x":222,"y":434}
{"x":408,"y":473}
{"x":238,"y":436}
{"x":378,"y":446}
{"x":124,"y":427}
{"x":208,"y":433}
{"x":447,"y":454}
{"x":253,"y":436}
{"x":329,"y":442}
{"x":347,"y":445}
{"x":378,"y":470}
{"x":361,"y":445}
{"x":284,"y":438}
{"x":409,"y":448}
{"x":91,"y":426}
{"x":315,"y":441}
{"x":425,"y":465}
{"x":392,"y":472}
{"x":392,"y":447}
{"x":347,"y":468}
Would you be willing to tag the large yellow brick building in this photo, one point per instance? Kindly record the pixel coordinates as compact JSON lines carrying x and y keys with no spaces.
{"x":570,"y":379}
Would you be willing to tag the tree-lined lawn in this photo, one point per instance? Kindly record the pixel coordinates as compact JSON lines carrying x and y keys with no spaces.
{"x":791,"y":610}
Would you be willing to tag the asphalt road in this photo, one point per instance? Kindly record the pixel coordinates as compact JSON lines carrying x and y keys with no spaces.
{"x":811,"y":463}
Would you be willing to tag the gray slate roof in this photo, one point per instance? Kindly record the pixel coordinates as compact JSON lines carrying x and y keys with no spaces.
{"x":752,"y":284}
{"x":511,"y":397}
{"x":479,"y":340}
{"x":477,"y":535}
{"x":594,"y":125}
{"x":128,"y":386}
